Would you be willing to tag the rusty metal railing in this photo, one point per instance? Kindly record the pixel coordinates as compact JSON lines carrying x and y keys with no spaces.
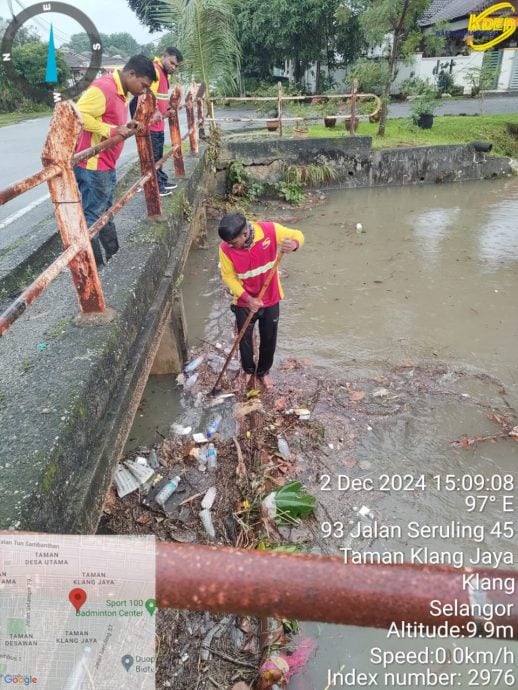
{"x":353,"y":98}
{"x":322,"y":588}
{"x":58,"y":160}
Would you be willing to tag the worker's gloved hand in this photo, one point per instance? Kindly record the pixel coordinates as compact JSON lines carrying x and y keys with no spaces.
{"x":288,"y":246}
{"x":254,"y":304}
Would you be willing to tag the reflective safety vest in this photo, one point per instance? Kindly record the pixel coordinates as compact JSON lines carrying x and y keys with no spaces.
{"x":103,"y":108}
{"x":160,"y":87}
{"x":253,"y":265}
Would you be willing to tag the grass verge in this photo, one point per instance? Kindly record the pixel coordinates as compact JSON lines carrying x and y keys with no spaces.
{"x":447,"y":129}
{"x":13,"y":118}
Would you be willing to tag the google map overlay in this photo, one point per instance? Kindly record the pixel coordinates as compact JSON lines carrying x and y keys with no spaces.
{"x":77,"y":612}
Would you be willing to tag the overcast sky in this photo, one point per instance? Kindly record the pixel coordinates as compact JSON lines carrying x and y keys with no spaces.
{"x":108,"y":16}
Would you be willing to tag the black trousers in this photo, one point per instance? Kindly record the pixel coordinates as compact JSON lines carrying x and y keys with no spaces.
{"x":157,"y":141}
{"x":268,"y":320}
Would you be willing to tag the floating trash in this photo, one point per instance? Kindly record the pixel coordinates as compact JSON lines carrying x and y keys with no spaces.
{"x":209,"y":498}
{"x":125,"y":482}
{"x":181,"y":430}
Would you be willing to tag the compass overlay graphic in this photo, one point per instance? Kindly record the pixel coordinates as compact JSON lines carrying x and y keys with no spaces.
{"x":50,"y":95}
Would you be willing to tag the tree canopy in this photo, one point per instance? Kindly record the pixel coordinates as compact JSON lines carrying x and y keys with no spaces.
{"x":305,"y":32}
{"x":122,"y":43}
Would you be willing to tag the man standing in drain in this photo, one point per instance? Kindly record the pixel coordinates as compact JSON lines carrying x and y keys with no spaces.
{"x":247,"y":253}
{"x":164,"y":68}
{"x":103,"y":107}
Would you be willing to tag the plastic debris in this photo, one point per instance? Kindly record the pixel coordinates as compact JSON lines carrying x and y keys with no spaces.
{"x":199,"y":438}
{"x":201,"y":456}
{"x":153,"y":459}
{"x":291,"y":500}
{"x":281,"y":667}
{"x":283,"y":447}
{"x":213,"y":425}
{"x":212,"y":457}
{"x":125,"y":482}
{"x":180,"y":379}
{"x":206,"y":520}
{"x":302,"y":413}
{"x":141,"y":472}
{"x":216,"y":363}
{"x":209,"y":498}
{"x":42,"y":346}
{"x":181,"y":430}
{"x":191,"y":366}
{"x":220,"y":399}
{"x":365,"y":512}
{"x":167,"y":490}
{"x":191,"y":381}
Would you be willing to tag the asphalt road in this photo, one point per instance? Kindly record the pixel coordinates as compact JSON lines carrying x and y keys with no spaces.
{"x":21,"y":146}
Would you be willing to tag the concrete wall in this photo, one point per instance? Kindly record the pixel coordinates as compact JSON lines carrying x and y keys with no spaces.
{"x":424,"y":68}
{"x":359,"y":166}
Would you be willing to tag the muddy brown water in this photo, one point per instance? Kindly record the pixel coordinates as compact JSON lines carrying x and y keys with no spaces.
{"x":430,"y":281}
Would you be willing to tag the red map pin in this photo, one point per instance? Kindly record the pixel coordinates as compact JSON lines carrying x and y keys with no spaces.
{"x":77,"y":598}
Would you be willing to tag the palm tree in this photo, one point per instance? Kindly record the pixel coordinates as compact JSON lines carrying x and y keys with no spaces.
{"x":207,"y":37}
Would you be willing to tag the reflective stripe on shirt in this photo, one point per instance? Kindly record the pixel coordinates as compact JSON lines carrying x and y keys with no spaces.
{"x":256,"y":271}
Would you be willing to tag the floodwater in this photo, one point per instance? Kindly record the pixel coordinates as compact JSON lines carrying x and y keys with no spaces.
{"x":431,"y":279}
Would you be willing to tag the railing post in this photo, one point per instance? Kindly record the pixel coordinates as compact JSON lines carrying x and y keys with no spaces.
{"x":199,"y":111}
{"x":279,"y":106}
{"x":174,"y":131}
{"x":353,"y":105}
{"x":145,"y":109}
{"x":189,"y":111}
{"x":64,"y":131}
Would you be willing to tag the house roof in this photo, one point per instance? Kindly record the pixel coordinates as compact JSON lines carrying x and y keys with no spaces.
{"x":447,"y":10}
{"x":75,"y":61}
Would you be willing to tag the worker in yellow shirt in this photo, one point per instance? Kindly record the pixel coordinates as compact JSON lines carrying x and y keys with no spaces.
{"x":103,"y":107}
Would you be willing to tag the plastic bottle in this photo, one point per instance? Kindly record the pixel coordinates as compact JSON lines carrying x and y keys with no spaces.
{"x":206,"y":519}
{"x":191,"y":366}
{"x":283,"y":447}
{"x":153,"y":459}
{"x":202,"y":458}
{"x":191,"y":381}
{"x":212,"y":457}
{"x":167,"y":490}
{"x":213,"y":426}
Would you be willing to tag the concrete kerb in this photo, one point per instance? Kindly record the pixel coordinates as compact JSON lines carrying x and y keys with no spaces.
{"x":67,"y":394}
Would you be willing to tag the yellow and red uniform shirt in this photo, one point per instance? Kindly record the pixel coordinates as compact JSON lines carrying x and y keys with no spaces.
{"x":103,"y":107}
{"x":160,"y":87}
{"x":244,"y":270}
